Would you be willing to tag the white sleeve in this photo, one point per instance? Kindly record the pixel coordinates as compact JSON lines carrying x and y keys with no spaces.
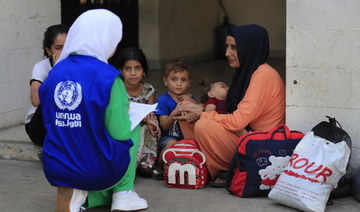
{"x":41,"y":70}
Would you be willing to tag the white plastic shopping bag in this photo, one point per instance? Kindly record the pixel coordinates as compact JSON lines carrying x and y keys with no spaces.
{"x":314,"y":170}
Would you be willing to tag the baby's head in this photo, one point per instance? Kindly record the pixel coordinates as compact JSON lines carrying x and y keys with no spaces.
{"x":177,"y":76}
{"x":216,"y":90}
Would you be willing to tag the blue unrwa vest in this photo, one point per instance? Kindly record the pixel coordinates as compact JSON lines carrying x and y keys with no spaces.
{"x":78,"y":151}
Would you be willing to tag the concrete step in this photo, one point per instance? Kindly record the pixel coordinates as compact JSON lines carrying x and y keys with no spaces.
{"x":19,"y":150}
{"x":16,"y":145}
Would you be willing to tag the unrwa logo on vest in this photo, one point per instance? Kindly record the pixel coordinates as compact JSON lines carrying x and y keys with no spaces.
{"x":68,"y":95}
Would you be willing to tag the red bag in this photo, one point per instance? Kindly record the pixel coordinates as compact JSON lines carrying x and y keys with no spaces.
{"x":259,"y":160}
{"x":184,"y":165}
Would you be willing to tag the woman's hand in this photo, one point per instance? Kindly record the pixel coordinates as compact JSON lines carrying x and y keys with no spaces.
{"x":190,"y":112}
{"x":55,"y":58}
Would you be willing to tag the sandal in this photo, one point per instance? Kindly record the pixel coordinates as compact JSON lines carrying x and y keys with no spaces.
{"x":158,"y":174}
{"x":219,"y":180}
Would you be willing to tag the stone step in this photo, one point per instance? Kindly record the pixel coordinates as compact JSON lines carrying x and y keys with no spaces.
{"x":19,"y":150}
{"x":16,"y":145}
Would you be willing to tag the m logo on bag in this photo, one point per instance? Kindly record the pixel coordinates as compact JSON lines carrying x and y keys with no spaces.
{"x":189,"y":168}
{"x":68,"y":95}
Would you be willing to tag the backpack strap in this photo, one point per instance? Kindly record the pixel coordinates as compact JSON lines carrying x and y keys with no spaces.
{"x":281,"y":128}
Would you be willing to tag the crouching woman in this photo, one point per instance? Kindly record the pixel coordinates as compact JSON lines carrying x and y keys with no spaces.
{"x":89,"y":151}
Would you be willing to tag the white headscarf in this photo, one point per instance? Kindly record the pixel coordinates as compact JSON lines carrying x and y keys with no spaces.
{"x":94,"y":33}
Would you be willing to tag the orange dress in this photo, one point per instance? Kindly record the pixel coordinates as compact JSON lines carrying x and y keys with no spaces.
{"x":263,"y":107}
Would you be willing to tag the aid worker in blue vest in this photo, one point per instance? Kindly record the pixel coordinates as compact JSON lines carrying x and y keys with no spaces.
{"x":89,"y":151}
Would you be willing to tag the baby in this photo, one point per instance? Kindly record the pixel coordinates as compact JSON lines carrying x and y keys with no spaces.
{"x":213,"y":96}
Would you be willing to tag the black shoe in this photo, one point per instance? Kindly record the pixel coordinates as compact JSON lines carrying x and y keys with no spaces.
{"x":157,"y":174}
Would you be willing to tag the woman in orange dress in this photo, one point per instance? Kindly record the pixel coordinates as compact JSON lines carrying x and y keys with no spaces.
{"x":255,"y":101}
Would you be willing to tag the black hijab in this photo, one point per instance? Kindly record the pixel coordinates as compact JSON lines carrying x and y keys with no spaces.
{"x":252,"y":45}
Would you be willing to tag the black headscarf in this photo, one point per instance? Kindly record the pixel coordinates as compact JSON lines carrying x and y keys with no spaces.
{"x":252,"y":45}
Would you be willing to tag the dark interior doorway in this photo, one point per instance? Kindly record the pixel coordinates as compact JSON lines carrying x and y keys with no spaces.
{"x":127,"y":10}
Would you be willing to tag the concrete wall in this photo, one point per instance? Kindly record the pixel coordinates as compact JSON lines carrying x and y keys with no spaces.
{"x":323,"y":62}
{"x":149,"y":30}
{"x":270,"y":14}
{"x":185,"y":28}
{"x":23,"y":23}
{"x":177,"y":29}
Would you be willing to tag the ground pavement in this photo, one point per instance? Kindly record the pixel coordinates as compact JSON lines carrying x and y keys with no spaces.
{"x":24,"y":188}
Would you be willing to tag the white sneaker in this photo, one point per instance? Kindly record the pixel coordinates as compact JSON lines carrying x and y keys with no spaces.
{"x":70,"y":199}
{"x":78,"y":198}
{"x":128,"y":201}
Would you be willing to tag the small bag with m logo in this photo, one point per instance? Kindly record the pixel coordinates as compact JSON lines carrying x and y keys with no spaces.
{"x":184,"y":165}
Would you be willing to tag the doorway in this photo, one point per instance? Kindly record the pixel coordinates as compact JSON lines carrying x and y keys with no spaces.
{"x":127,"y":10}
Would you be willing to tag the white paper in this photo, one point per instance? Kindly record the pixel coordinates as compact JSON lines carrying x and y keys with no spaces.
{"x":139,"y":111}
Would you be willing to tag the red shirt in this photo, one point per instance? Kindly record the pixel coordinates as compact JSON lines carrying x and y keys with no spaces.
{"x":219,"y":104}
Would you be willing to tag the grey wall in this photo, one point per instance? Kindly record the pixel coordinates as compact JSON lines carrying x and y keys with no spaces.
{"x":23,"y":23}
{"x":322,"y":65}
{"x":185,"y":28}
{"x":177,"y":29}
{"x":270,"y":14}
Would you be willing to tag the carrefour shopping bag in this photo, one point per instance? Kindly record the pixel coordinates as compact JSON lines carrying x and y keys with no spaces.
{"x":314,"y":170}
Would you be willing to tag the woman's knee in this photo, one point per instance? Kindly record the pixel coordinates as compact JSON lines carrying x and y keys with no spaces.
{"x":202,"y":126}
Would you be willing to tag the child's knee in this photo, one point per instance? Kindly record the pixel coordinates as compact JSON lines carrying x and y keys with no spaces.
{"x":170,"y":143}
